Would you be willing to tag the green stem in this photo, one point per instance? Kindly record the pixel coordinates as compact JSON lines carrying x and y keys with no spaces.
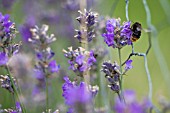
{"x":149,"y":78}
{"x":121,"y":76}
{"x":13,"y":96}
{"x":15,"y":90}
{"x":126,"y":9}
{"x":47,"y":102}
{"x":103,"y":91}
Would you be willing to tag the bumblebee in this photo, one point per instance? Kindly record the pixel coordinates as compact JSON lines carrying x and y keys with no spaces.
{"x":136,"y":31}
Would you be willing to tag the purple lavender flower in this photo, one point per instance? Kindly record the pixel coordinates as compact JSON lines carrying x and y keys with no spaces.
{"x":94,"y":90}
{"x":131,"y":105}
{"x":6,"y":23}
{"x":88,"y":19}
{"x":117,"y":36}
{"x":40,"y":39}
{"x":53,"y":67}
{"x":109,"y":39}
{"x":126,"y":31}
{"x":7,"y":30}
{"x":45,"y":66}
{"x":91,"y":58}
{"x":25,"y":28}
{"x":72,"y":66}
{"x":128,"y":65}
{"x":77,"y":97}
{"x":17,"y":109}
{"x":39,"y":74}
{"x":111,"y":25}
{"x":7,"y":34}
{"x":6,"y":83}
{"x":3,"y":58}
{"x":112,"y":74}
{"x":80,"y":60}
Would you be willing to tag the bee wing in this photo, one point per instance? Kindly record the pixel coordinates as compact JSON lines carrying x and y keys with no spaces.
{"x":146,"y":30}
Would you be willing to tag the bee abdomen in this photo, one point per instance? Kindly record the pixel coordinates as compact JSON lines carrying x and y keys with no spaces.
{"x":134,"y":39}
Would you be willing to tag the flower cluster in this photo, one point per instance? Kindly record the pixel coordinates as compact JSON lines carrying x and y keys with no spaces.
{"x":17,"y":109}
{"x":117,"y":36}
{"x":78,"y":97}
{"x":80,"y":60}
{"x":45,"y":65}
{"x":6,"y":83}
{"x":7,"y":35}
{"x":113,"y":73}
{"x":87,"y":21}
{"x":131,"y":105}
{"x":25,"y":28}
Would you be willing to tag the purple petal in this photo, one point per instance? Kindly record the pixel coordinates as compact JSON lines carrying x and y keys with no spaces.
{"x":3,"y":58}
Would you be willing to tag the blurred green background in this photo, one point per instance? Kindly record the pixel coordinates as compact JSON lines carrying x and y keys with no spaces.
{"x":136,"y":78}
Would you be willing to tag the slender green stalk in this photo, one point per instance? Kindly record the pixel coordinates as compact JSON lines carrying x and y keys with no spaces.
{"x":84,"y":42}
{"x":126,"y":9}
{"x":47,"y":101}
{"x":149,"y":77}
{"x":13,"y":96}
{"x":121,"y":76}
{"x":15,"y":90}
{"x":103,"y":91}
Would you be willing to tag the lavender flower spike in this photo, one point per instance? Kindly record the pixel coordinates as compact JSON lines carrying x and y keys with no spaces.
{"x":87,"y":19}
{"x":6,"y":83}
{"x":117,"y":36}
{"x":45,"y":65}
{"x":78,"y":97}
{"x":80,"y":60}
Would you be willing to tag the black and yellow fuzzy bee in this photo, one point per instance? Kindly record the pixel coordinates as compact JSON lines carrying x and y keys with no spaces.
{"x":136,"y":31}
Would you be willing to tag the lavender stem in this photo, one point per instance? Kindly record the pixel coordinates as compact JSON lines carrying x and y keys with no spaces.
{"x":15,"y":90}
{"x":121,"y":76}
{"x":126,"y":9}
